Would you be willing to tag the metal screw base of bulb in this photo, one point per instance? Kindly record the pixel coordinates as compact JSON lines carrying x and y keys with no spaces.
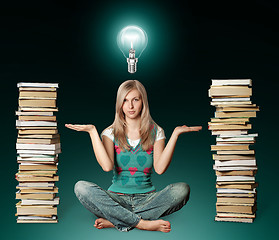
{"x":132,"y":65}
{"x":132,"y":68}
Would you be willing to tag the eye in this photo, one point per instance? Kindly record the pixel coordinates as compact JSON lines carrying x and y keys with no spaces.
{"x":125,"y":100}
{"x":136,"y":99}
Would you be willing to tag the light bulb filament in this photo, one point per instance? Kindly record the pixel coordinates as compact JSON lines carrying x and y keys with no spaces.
{"x":131,"y":45}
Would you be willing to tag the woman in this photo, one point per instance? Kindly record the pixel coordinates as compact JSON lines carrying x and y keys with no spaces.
{"x":130,"y":147}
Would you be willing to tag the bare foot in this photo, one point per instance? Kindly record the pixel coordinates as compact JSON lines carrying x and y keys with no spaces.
{"x":156,"y":225}
{"x":102,"y":223}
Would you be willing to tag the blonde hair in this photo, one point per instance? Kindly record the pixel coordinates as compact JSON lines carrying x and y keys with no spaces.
{"x":146,"y":122}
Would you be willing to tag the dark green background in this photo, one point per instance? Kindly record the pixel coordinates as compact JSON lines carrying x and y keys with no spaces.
{"x":74,"y":44}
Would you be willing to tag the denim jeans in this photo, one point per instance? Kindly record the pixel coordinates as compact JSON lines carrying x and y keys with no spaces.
{"x":125,"y":211}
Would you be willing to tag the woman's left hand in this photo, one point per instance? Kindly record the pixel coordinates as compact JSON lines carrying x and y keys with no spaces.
{"x":183,"y":129}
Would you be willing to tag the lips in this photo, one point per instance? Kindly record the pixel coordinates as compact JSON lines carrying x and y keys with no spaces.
{"x":131,"y":112}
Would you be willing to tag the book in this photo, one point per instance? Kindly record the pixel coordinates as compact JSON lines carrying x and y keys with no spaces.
{"x":229,"y":90}
{"x":36,"y":118}
{"x":38,"y":141}
{"x":235,"y":163}
{"x":54,"y":146}
{"x":38,"y":85}
{"x":37,"y":94}
{"x":229,"y":147}
{"x":37,"y":109}
{"x":22,"y":210}
{"x":48,"y":136}
{"x":37,"y":131}
{"x":231,"y":82}
{"x":43,"y":196}
{"x":33,"y":113}
{"x":235,"y":178}
{"x":233,"y":219}
{"x":233,"y":157}
{"x":229,"y":127}
{"x":39,"y":151}
{"x":236,"y":173}
{"x":235,"y":114}
{"x":55,"y":201}
{"x":23,"y":166}
{"x":232,"y":191}
{"x":236,"y":200}
{"x":236,"y":209}
{"x":49,"y":103}
{"x":249,"y":152}
{"x":20,"y":123}
{"x":237,"y":186}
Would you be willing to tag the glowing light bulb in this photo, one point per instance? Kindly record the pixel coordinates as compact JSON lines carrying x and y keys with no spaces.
{"x":132,"y":40}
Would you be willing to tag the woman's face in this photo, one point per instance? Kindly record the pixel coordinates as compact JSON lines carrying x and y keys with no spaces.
{"x":132,"y":104}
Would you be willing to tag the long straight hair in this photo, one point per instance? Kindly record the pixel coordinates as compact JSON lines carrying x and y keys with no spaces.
{"x":146,"y":122}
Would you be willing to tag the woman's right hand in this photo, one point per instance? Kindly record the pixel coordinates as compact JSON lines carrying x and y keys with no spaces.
{"x":78,"y":127}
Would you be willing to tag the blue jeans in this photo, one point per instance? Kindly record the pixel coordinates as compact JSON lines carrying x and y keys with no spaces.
{"x":125,"y":211}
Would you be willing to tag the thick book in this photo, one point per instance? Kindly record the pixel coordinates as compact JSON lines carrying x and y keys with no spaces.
{"x":38,"y":94}
{"x":21,"y":210}
{"x":23,"y":166}
{"x":229,"y":91}
{"x":49,"y":103}
{"x":42,"y":196}
{"x":236,"y":209}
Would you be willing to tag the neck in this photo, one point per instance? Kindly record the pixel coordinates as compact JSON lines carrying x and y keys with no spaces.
{"x":133,"y":124}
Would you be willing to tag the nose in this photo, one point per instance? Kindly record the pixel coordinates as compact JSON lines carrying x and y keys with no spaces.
{"x":131,"y":104}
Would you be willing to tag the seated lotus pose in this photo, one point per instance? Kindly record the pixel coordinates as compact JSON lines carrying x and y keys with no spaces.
{"x":130,"y":147}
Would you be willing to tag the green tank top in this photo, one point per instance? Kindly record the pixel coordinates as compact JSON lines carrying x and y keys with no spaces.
{"x":132,"y":169}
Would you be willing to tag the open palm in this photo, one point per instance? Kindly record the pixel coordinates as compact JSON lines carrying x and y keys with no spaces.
{"x":80,"y":127}
{"x":183,"y":129}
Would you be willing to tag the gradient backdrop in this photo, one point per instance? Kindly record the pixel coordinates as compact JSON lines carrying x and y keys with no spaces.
{"x":74,"y":44}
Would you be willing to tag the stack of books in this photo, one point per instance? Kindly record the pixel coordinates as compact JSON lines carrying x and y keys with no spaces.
{"x":235,"y":163}
{"x":38,"y":146}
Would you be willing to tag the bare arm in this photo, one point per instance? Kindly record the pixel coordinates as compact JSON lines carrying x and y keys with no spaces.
{"x":163,"y":155}
{"x":104,"y":151}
